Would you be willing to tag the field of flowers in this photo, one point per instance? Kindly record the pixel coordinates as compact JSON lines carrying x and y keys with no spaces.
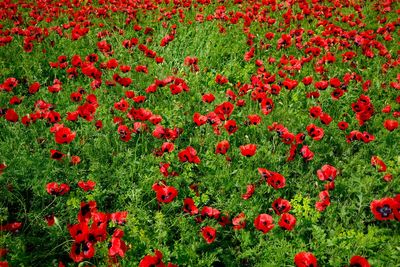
{"x":200,"y":133}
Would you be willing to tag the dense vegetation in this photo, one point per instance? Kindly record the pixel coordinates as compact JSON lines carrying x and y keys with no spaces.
{"x":199,"y":133}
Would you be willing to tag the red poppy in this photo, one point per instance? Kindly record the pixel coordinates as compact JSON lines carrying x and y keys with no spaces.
{"x":189,"y":206}
{"x":287,"y":221}
{"x":289,"y":84}
{"x":230,"y":126}
{"x":224,"y":110}
{"x":264,"y":223}
{"x":254,"y":119}
{"x":325,"y":118}
{"x":315,"y":132}
{"x":86,"y":210}
{"x":63,"y":135}
{"x":189,"y":155}
{"x":199,"y":119}
{"x":75,"y":160}
{"x":342,"y":125}
{"x":239,"y":222}
{"x":248,"y":150}
{"x":79,"y":232}
{"x":209,"y":234}
{"x":383,"y":209}
{"x":306,"y":153}
{"x":13,"y":227}
{"x":152,"y":261}
{"x":87,"y":186}
{"x":11,"y":115}
{"x":222,"y":147}
{"x":210,"y":212}
{"x":165,"y":193}
{"x":119,"y":217}
{"x":358,"y":261}
{"x":391,"y":125}
{"x":82,"y":250}
{"x":55,"y":154}
{"x":124,"y":133}
{"x":281,"y":206}
{"x":305,"y":259}
{"x":3,"y":166}
{"x":208,"y":98}
{"x":55,"y":189}
{"x":249,"y":191}
{"x":388,"y":177}
{"x":117,"y":246}
{"x":327,"y":172}
{"x":276,"y":180}
{"x":307,"y":80}
{"x":34,"y":88}
{"x":376,"y":161}
{"x":321,"y":85}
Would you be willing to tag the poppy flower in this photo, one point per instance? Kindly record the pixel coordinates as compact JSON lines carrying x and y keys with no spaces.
{"x":189,"y":206}
{"x":208,"y":98}
{"x":55,"y":154}
{"x":327,"y":172}
{"x":224,"y":110}
{"x":87,"y":186}
{"x":307,"y":80}
{"x":376,"y":161}
{"x":315,"y":132}
{"x":325,"y":118}
{"x":150,"y":261}
{"x":189,"y":155}
{"x":267,"y":105}
{"x":315,"y":112}
{"x":289,"y":84}
{"x":321,"y":85}
{"x":210,"y":212}
{"x":388,"y":177}
{"x":165,"y":193}
{"x":75,"y":160}
{"x":56,"y":189}
{"x":342,"y":125}
{"x":124,"y":133}
{"x":230,"y":126}
{"x":239,"y":222}
{"x":34,"y":88}
{"x":281,"y":206}
{"x":64,"y":135}
{"x":3,"y":166}
{"x":117,"y":246}
{"x":264,"y":223}
{"x":276,"y":180}
{"x":358,"y":261}
{"x":383,"y":209}
{"x":391,"y":125}
{"x":119,"y":217}
{"x":209,"y":233}
{"x":86,"y":210}
{"x":253,"y":119}
{"x":222,"y":147}
{"x":199,"y":119}
{"x":11,"y":115}
{"x":249,"y":191}
{"x":13,"y":227}
{"x":82,"y":250}
{"x":287,"y":221}
{"x":306,"y":153}
{"x":305,"y":259}
{"x":248,"y":150}
{"x":79,"y":232}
